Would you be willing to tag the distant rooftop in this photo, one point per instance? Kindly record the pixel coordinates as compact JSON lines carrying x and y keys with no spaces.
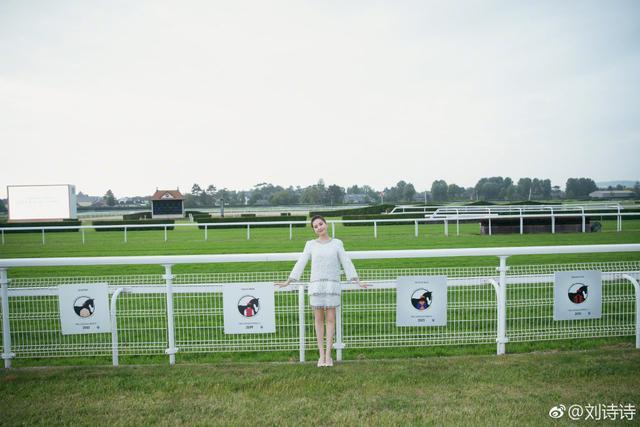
{"x":167,"y":195}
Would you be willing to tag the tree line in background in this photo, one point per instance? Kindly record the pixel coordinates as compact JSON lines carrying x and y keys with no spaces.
{"x":493,"y":188}
{"x":486,"y":189}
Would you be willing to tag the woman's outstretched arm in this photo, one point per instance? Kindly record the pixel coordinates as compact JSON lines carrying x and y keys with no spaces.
{"x":298,"y":269}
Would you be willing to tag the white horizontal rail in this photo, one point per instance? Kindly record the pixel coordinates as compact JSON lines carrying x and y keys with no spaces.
{"x":293,"y":256}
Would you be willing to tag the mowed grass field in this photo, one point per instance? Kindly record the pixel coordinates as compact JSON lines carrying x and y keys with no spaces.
{"x":473,"y":390}
{"x":447,"y":385}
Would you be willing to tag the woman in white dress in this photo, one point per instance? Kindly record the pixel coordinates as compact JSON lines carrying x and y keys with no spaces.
{"x":327,"y":254}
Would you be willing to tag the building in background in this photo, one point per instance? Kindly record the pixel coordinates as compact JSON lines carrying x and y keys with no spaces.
{"x":86,"y":201}
{"x":167,"y":204}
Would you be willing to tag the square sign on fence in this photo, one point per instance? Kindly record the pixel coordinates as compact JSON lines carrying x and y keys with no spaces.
{"x":84,"y":309}
{"x":249,"y":308}
{"x":577,"y":295}
{"x":421,"y":301}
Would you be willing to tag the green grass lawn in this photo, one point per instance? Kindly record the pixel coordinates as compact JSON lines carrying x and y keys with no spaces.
{"x":150,"y":327}
{"x":476,"y":390}
{"x":395,"y":385}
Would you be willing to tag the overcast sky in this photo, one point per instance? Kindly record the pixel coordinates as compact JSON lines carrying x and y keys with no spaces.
{"x":134,"y":95}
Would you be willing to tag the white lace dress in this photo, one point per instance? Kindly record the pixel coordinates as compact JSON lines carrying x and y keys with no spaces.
{"x":326,"y":258}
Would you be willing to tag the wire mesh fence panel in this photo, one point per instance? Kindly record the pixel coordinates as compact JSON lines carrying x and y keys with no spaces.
{"x":142,"y":323}
{"x":199,"y":324}
{"x":369,"y":315}
{"x":232,"y":277}
{"x":530,"y":302}
{"x":36,"y":331}
{"x":36,"y":327}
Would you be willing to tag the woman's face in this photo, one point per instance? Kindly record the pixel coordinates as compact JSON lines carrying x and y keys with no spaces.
{"x":320,"y":227}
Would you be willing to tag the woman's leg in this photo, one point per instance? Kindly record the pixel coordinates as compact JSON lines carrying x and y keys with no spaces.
{"x":331,"y":327}
{"x":319,"y":318}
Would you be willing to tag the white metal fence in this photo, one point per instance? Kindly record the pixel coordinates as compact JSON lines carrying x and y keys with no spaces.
{"x":446,"y":217}
{"x":565,"y":207}
{"x":165,"y":314}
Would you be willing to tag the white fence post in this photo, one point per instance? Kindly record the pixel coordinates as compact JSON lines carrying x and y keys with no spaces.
{"x":301,"y":324}
{"x":248,"y":231}
{"x":619,"y":219}
{"x":82,"y":235}
{"x":6,"y":331}
{"x":206,"y":233}
{"x":3,"y":236}
{"x":521,"y":222}
{"x":114,"y":327}
{"x":333,"y":229}
{"x":43,"y":235}
{"x":375,"y":230}
{"x":416,"y":228}
{"x":446,"y":227}
{"x":125,"y":234}
{"x":502,"y":306}
{"x":165,"y":233}
{"x":636,"y":287}
{"x":172,"y":350}
{"x":290,"y":231}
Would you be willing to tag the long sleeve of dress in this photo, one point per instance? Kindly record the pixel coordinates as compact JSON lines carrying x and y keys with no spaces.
{"x":347,"y":265}
{"x":298,"y":269}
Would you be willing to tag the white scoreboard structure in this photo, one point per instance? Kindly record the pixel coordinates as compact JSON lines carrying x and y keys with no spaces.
{"x":42,"y":202}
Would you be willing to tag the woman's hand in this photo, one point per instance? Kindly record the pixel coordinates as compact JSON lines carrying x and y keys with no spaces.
{"x":283,"y":284}
{"x":362,"y":285}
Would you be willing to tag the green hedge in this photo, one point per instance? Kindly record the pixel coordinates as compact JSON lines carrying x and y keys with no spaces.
{"x":369,"y":210}
{"x":611,"y":218}
{"x":594,"y":213}
{"x":372,"y":217}
{"x":111,"y":208}
{"x":66,"y":222}
{"x":285,"y":219}
{"x":132,"y":223}
{"x":532,"y":203}
{"x":535,"y":221}
{"x":137,"y":215}
{"x":195,"y":213}
{"x":480,"y":203}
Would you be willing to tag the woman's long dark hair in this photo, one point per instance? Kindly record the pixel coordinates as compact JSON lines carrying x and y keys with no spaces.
{"x":317,"y":217}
